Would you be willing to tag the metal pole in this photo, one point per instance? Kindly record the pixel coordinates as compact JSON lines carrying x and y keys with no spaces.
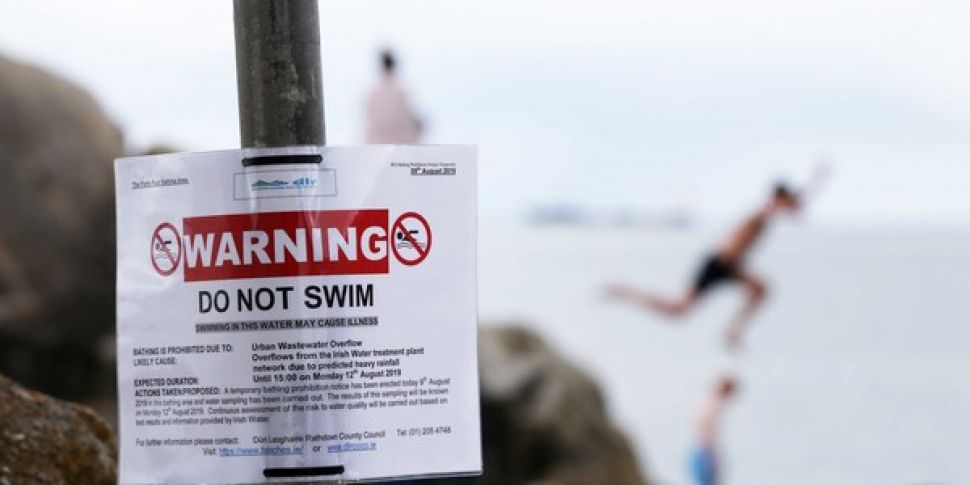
{"x":278,"y":73}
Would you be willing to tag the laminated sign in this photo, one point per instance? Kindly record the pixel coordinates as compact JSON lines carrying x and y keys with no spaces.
{"x":297,"y":314}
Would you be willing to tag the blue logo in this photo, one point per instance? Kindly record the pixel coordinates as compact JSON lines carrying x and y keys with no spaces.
{"x":299,"y":183}
{"x":304,"y":182}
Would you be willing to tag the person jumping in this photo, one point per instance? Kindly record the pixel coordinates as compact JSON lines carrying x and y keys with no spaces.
{"x":725,"y":265}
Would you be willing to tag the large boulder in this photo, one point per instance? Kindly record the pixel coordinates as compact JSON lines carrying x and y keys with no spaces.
{"x":47,"y":441}
{"x":544,"y":420}
{"x":56,"y":230}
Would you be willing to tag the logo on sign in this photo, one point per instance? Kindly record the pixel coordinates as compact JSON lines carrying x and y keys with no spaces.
{"x":302,"y":182}
{"x":294,"y":243}
{"x":285,"y":183}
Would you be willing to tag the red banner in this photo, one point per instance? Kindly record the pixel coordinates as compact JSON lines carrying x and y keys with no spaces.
{"x":297,"y":243}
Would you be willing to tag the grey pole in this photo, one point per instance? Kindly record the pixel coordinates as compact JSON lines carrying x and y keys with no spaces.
{"x":278,"y":73}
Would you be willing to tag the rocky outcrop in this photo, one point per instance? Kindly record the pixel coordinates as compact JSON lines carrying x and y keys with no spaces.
{"x":544,"y":421}
{"x":56,"y":230}
{"x":47,"y":441}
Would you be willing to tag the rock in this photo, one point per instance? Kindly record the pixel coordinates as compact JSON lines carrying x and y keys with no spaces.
{"x":57,"y":230}
{"x":544,"y":421}
{"x":47,"y":441}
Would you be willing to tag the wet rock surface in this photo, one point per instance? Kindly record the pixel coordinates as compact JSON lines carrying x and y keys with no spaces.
{"x":47,"y":441}
{"x":544,"y":421}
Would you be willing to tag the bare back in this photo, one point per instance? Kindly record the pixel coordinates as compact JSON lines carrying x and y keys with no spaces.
{"x":737,"y":245}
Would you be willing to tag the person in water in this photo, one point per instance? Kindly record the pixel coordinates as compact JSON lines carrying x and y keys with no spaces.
{"x":724,"y":265}
{"x":704,"y":463}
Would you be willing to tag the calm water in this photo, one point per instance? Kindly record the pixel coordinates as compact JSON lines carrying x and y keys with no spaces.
{"x":856,"y":372}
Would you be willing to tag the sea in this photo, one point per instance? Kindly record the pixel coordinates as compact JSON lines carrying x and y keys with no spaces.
{"x":855,"y":372}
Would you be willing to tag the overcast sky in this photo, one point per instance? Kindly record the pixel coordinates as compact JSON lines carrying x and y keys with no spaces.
{"x":606,"y":103}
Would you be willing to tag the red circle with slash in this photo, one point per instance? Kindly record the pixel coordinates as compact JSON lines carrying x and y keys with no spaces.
{"x":406,"y":235}
{"x":166,"y":250}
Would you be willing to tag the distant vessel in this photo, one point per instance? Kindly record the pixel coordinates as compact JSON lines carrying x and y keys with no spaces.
{"x":623,"y":217}
{"x":559,"y":214}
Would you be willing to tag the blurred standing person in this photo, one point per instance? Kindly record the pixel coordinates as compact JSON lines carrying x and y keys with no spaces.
{"x":390,"y":118}
{"x":705,"y":458}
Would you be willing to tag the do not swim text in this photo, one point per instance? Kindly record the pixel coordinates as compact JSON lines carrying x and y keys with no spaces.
{"x":279,"y":298}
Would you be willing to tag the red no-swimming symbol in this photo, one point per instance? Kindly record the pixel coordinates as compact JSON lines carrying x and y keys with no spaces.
{"x":411,"y":238}
{"x":166,"y":249}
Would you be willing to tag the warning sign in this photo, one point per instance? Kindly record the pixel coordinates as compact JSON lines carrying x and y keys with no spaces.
{"x":412,"y":238}
{"x":275,"y":337}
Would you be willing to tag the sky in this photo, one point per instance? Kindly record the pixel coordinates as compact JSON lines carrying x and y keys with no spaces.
{"x":695,"y":105}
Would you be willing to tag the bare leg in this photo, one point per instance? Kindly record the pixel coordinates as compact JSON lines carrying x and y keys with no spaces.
{"x":671,"y":307}
{"x":757,"y":290}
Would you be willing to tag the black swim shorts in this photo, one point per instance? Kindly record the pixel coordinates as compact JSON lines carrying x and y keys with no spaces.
{"x":714,"y":270}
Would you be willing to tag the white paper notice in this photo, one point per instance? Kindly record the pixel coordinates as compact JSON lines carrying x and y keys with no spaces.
{"x":295,"y":314}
